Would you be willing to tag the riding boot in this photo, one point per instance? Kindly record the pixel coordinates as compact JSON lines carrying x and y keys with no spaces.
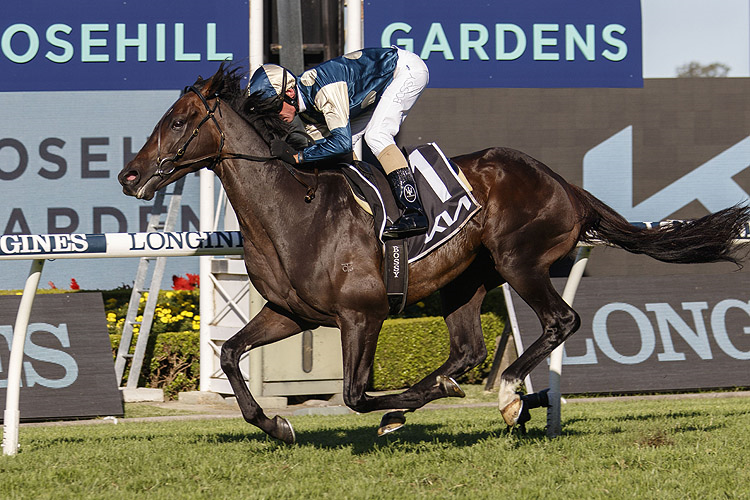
{"x":412,"y":221}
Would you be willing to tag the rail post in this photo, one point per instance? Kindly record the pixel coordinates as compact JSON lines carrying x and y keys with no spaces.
{"x":12,"y":415}
{"x":554,"y":427}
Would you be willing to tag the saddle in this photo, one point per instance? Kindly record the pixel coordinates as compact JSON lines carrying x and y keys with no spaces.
{"x":446,"y":198}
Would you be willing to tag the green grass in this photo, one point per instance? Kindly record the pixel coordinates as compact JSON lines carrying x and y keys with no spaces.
{"x":639,"y":449}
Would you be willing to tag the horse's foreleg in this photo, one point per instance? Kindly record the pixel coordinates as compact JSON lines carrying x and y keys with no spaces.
{"x":268,"y":326}
{"x":461,"y":303}
{"x":359,"y":339}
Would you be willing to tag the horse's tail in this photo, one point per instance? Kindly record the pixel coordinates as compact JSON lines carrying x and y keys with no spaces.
{"x":708,"y":239}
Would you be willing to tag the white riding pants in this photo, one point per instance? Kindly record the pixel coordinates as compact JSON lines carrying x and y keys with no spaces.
{"x":381,"y":125}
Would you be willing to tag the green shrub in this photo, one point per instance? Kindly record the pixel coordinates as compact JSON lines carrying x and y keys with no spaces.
{"x":410,"y":349}
{"x":401,"y":358}
{"x":175,"y":362}
{"x":176,"y":311}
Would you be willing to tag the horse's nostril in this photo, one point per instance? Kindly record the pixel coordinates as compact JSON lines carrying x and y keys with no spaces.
{"x":129,"y":176}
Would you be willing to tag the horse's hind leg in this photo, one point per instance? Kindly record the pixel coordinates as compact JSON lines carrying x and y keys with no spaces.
{"x":268,"y":326}
{"x":558,"y":320}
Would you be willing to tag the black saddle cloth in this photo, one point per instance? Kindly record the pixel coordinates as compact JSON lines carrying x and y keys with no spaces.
{"x":447,"y":200}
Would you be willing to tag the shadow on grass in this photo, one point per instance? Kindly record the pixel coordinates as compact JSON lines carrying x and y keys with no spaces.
{"x":364,"y":440}
{"x":361,"y":438}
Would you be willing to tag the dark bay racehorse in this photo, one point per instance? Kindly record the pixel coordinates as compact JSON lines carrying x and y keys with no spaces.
{"x":319,"y":263}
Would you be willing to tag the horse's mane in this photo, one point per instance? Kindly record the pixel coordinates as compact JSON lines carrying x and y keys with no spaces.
{"x":226,"y":83}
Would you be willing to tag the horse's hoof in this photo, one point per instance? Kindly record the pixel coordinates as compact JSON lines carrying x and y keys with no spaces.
{"x":450,"y":387}
{"x":512,"y":411}
{"x":283,"y":431}
{"x":391,"y":421}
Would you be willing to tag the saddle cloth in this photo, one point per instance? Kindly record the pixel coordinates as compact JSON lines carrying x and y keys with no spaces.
{"x":444,"y":192}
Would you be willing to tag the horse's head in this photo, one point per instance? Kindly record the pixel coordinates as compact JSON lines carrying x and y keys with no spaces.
{"x":188,"y":137}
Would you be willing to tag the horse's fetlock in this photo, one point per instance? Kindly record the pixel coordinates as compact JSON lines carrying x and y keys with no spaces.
{"x":357,"y":403}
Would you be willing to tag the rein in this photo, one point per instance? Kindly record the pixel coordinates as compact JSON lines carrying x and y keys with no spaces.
{"x":219,"y":156}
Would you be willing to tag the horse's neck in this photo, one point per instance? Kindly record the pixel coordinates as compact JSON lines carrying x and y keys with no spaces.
{"x":254,"y":189}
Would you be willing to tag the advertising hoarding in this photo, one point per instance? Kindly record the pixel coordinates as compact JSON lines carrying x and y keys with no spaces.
{"x":540,"y":43}
{"x":83,"y":87}
{"x":132,"y":45}
{"x":67,"y":369}
{"x":652,"y":333}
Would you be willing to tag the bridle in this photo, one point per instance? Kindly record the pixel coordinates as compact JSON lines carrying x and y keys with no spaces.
{"x":175,"y":161}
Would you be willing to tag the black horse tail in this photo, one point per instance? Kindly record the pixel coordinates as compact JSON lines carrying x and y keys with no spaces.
{"x":708,"y":239}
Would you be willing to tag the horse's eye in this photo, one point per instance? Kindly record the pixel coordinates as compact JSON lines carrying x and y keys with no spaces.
{"x":178,"y":124}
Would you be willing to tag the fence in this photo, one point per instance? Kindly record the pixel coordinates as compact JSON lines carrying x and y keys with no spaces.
{"x":39,"y":248}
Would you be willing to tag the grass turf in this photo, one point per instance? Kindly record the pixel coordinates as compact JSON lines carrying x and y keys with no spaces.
{"x":635,"y":449}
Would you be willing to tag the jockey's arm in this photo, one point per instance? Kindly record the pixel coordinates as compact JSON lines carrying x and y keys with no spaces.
{"x":333,"y":101}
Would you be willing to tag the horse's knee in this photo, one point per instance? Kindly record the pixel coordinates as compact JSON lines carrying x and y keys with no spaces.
{"x":229,"y":356}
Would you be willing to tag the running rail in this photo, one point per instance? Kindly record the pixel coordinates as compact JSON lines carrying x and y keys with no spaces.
{"x":40,"y":247}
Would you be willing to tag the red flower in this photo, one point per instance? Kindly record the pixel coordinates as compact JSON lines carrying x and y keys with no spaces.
{"x":189,"y":283}
{"x":74,"y":284}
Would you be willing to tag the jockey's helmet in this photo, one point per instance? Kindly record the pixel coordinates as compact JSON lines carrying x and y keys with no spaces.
{"x":271,"y":82}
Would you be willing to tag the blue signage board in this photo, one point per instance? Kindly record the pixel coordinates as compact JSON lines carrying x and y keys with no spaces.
{"x":508,"y":43}
{"x":83,"y":84}
{"x":117,"y":45}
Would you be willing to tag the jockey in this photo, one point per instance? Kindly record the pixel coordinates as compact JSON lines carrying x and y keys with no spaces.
{"x":365,"y":93}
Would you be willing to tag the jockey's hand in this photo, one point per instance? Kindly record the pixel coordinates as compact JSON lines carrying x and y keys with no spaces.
{"x":283,"y":151}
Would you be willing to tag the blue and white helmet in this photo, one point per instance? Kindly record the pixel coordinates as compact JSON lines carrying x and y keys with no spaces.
{"x":271,"y":81}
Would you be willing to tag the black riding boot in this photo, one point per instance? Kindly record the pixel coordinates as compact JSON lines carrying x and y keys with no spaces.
{"x":412,"y":221}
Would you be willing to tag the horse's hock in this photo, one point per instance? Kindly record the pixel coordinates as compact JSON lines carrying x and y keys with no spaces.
{"x":305,"y":364}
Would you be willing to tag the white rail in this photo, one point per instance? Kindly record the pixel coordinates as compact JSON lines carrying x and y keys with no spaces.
{"x":114,"y":245}
{"x":40,"y":247}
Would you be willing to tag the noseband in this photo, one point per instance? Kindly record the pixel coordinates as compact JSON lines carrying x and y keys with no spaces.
{"x":174,"y":161}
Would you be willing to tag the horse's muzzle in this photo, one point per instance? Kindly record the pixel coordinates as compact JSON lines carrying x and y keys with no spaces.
{"x":129,"y":180}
